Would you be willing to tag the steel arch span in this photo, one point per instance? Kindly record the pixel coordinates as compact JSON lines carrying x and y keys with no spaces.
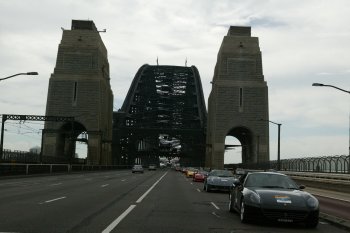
{"x":163,"y":115}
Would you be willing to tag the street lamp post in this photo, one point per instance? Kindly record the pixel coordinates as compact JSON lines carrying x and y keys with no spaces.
{"x":278,"y":143}
{"x":325,"y":85}
{"x":28,"y":73}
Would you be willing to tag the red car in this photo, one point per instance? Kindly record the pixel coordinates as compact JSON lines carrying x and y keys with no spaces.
{"x":200,"y":176}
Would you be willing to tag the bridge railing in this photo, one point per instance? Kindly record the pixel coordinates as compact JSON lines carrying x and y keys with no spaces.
{"x":17,"y":156}
{"x":7,"y":169}
{"x":324,"y":164}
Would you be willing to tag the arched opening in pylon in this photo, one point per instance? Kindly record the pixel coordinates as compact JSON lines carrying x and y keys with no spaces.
{"x":239,"y":145}
{"x":233,"y":150}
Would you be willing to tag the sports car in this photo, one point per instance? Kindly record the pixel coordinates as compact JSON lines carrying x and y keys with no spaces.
{"x":190,"y":172}
{"x":219,"y":180}
{"x":200,"y":176}
{"x":273,"y":196}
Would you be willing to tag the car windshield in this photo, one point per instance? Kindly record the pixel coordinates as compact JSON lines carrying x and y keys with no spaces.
{"x":221,"y":173}
{"x":269,"y":180}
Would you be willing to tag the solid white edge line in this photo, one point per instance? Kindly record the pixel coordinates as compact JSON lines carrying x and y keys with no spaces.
{"x":149,"y":190}
{"x":199,"y":190}
{"x":119,"y":219}
{"x":215,"y":205}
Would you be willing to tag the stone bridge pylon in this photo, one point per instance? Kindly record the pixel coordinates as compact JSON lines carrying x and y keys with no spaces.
{"x":80,"y":88}
{"x":238,"y":102}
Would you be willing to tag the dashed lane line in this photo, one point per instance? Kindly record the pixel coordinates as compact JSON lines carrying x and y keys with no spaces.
{"x":55,"y":184}
{"x":52,"y":200}
{"x":213,"y":204}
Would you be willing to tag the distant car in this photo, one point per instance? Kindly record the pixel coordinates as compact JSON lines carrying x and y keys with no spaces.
{"x":137,"y":168}
{"x":273,"y":196}
{"x":200,"y":176}
{"x":190,"y":172}
{"x":152,"y":167}
{"x":219,"y":180}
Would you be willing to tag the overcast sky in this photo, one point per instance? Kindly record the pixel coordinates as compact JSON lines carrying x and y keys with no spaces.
{"x":302,"y":42}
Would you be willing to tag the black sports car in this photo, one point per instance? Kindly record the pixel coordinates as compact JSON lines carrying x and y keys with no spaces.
{"x":272,"y":196}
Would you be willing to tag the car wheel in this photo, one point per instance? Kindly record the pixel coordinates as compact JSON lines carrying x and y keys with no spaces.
{"x":243,"y":213}
{"x":207,"y":187}
{"x":230,"y":204}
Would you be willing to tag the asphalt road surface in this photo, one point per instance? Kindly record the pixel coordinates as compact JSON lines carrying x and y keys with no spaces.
{"x":119,"y":201}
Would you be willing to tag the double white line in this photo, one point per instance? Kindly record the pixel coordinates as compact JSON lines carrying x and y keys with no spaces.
{"x":131,"y":207}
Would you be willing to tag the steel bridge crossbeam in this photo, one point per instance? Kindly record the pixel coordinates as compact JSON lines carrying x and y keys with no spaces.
{"x":36,"y":118}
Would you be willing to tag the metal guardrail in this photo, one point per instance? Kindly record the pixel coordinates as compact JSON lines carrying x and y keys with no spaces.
{"x":326,"y":178}
{"x":330,"y":181}
{"x":324,"y":164}
{"x":30,"y":169}
{"x":17,"y":156}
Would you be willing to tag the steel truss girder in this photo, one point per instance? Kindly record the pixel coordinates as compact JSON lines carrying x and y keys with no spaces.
{"x":165,"y":100}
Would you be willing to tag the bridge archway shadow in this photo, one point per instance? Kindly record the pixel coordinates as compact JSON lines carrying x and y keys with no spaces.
{"x":73,"y":138}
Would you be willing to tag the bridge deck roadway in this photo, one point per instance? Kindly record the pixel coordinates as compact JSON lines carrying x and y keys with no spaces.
{"x":335,"y":205}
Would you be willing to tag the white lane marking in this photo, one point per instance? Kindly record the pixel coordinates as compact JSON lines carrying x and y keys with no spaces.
{"x":216,"y":207}
{"x":56,"y":199}
{"x":119,"y":219}
{"x":199,"y":190}
{"x":215,"y":214}
{"x":104,"y":185}
{"x":131,"y":207}
{"x":123,"y":180}
{"x":191,"y":183}
{"x":55,"y":184}
{"x":149,"y":190}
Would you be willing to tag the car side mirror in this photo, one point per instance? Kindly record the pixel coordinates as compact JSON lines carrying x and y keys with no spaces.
{"x":302,"y":187}
{"x":236,"y":182}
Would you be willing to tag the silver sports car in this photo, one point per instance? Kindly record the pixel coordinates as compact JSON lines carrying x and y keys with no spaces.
{"x":219,"y":180}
